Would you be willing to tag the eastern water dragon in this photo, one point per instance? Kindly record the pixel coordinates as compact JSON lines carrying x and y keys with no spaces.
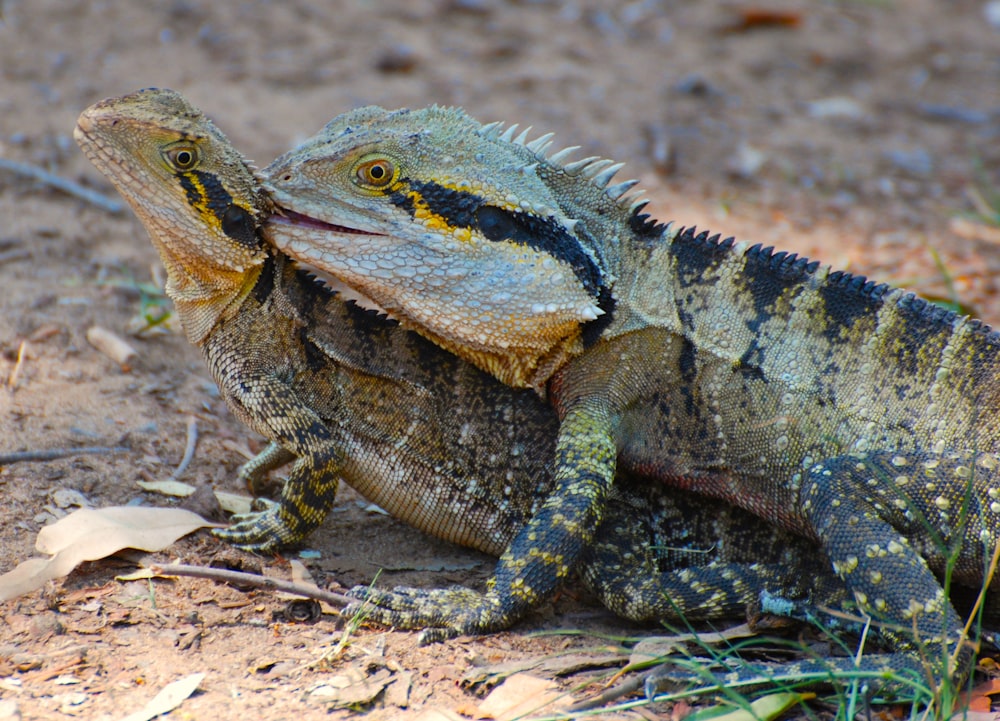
{"x":340,"y":391}
{"x":852,"y":414}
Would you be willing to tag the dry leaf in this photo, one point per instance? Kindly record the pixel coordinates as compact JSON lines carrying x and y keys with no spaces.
{"x":90,"y":534}
{"x":172,"y":696}
{"x":655,"y":647}
{"x":557,"y":664}
{"x":978,"y":698}
{"x":523,"y":695}
{"x":971,"y":230}
{"x":234,"y":503}
{"x":354,"y":687}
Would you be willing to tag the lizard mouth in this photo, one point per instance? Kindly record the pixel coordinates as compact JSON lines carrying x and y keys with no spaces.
{"x":285,"y":216}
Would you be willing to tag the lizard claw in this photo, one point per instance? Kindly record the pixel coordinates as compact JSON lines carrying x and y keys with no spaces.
{"x":264,"y":530}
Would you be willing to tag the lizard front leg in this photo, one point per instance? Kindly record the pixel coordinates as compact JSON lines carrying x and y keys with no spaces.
{"x":539,"y":558}
{"x":295,"y":431}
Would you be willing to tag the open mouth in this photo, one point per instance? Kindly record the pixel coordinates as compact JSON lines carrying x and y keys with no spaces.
{"x":290,"y":217}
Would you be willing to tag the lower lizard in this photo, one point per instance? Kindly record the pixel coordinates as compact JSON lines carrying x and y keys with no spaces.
{"x":343,"y":392}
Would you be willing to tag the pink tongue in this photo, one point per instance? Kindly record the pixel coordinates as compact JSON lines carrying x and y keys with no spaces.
{"x":292,"y":218}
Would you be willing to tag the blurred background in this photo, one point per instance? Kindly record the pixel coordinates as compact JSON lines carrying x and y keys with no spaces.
{"x":864,"y":133}
{"x":816,"y":110}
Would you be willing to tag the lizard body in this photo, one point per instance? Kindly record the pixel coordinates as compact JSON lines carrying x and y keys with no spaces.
{"x":343,"y":392}
{"x":850,"y":413}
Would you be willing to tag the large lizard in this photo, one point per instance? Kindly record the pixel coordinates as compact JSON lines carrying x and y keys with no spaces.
{"x":858,"y":416}
{"x":342,"y":391}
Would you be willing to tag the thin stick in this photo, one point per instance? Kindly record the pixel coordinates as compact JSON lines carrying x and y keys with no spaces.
{"x":250,"y":579}
{"x":12,"y":379}
{"x":192,"y":443}
{"x":103,"y":202}
{"x":53,"y":454}
{"x":9,"y":256}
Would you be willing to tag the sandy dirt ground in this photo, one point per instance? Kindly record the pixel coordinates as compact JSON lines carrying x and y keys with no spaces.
{"x":864,"y":134}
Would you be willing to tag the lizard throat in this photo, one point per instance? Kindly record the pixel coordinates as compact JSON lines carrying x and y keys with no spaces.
{"x":346,"y":292}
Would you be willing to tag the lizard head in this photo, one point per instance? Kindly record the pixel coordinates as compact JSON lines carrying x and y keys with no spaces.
{"x":464,"y":232}
{"x":195,"y":194}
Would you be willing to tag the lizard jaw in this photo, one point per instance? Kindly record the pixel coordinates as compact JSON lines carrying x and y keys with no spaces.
{"x":284,"y":216}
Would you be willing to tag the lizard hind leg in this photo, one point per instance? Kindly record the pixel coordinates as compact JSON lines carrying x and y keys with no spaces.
{"x":881,"y":524}
{"x":668,"y":556}
{"x":880,"y":519}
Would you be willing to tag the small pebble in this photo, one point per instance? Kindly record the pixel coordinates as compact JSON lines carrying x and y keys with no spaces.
{"x":400,"y":59}
{"x":836,"y":107}
{"x":917,"y":161}
{"x":746,"y":162}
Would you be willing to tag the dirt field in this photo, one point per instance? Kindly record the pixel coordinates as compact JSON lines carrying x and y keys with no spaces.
{"x":865,"y":134}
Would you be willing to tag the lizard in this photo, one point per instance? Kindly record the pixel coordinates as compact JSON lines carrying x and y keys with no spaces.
{"x":856,"y":415}
{"x":341,"y":391}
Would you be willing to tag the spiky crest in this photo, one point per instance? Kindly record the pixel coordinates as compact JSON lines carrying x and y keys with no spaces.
{"x":599,"y":171}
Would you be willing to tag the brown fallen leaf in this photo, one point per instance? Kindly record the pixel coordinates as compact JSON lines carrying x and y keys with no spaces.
{"x":978,"y":698}
{"x":754,"y":18}
{"x":655,"y":647}
{"x":91,"y":534}
{"x":523,"y":695}
{"x":357,"y":685}
{"x":170,"y":697}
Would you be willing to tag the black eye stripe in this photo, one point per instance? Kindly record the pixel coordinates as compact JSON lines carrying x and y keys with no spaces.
{"x":461,"y":209}
{"x":239,"y":225}
{"x":496,"y":223}
{"x":203,"y":188}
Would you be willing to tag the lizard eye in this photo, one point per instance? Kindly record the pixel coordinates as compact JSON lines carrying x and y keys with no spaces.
{"x":182,"y":157}
{"x":375,"y":173}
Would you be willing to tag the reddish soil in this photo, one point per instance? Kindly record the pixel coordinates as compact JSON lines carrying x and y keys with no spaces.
{"x":862,"y":134}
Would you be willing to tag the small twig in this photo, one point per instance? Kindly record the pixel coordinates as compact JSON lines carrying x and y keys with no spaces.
{"x":9,"y":256}
{"x":192,"y":443}
{"x":12,"y":378}
{"x":67,"y":186}
{"x":612,"y":694}
{"x":54,"y":454}
{"x":250,"y":579}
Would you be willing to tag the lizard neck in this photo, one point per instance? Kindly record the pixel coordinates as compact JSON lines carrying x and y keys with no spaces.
{"x":205,"y":295}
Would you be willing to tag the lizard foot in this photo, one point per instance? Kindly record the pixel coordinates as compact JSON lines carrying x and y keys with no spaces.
{"x":441,"y":613}
{"x":264,"y":530}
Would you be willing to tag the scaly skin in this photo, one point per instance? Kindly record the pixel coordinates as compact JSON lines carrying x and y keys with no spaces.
{"x":343,"y":392}
{"x":849,"y":413}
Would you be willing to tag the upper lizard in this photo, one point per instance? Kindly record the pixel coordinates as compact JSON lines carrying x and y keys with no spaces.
{"x":856,"y":415}
{"x":342,"y":391}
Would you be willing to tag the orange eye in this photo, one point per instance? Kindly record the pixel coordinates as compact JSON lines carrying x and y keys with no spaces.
{"x":375,"y":173}
{"x":182,"y":157}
